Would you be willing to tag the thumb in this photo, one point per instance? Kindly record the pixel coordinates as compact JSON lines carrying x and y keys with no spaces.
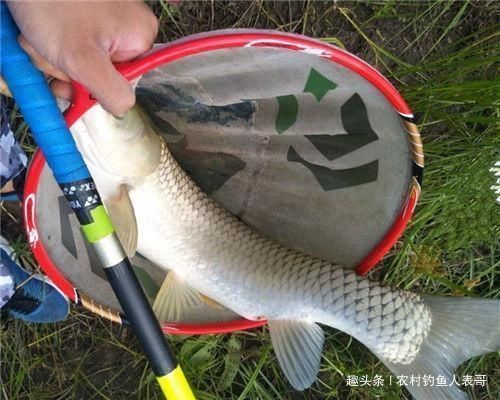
{"x":96,"y":72}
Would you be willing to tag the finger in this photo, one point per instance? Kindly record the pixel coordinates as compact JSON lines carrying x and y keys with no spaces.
{"x":40,"y":62}
{"x":4,"y":89}
{"x":61,"y":89}
{"x":94,"y":70}
{"x":123,"y":55}
{"x":133,"y":47}
{"x":140,"y":38}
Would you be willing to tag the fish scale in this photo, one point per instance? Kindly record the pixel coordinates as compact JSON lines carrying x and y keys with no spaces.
{"x":237,"y":256}
{"x":173,"y":223}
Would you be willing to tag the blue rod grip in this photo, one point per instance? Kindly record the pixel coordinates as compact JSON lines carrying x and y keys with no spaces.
{"x":38,"y":106}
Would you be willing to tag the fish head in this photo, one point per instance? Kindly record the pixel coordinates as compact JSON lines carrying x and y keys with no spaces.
{"x":117,"y":150}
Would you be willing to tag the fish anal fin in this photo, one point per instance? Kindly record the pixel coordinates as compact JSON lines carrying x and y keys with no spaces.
{"x":298,"y":346}
{"x":122,"y":214}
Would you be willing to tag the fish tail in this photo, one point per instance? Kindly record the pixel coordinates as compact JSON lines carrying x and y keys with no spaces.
{"x":461,"y":328}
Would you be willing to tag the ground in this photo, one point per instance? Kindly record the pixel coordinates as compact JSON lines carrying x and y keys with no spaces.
{"x":441,"y":56}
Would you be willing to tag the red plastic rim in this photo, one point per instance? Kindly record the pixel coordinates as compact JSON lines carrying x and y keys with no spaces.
{"x":196,"y":44}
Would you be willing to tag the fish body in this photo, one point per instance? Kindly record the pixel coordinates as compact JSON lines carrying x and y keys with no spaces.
{"x":180,"y":228}
{"x":226,"y":260}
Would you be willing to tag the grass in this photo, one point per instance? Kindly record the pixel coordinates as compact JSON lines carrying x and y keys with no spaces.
{"x":443,"y":57}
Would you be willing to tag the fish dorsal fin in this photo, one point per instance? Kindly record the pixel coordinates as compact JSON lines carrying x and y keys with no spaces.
{"x":175,"y":298}
{"x":122,"y":214}
{"x":298,"y":346}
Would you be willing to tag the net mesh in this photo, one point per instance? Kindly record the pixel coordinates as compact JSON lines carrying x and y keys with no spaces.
{"x":306,"y":151}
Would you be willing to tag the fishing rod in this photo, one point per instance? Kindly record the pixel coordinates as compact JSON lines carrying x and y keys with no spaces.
{"x":39,"y":108}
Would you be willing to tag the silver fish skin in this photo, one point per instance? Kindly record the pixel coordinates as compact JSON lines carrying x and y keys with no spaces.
{"x":180,"y":228}
{"x":226,"y":260}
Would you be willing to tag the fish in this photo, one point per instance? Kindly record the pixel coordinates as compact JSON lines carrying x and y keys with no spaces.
{"x":161,"y":213}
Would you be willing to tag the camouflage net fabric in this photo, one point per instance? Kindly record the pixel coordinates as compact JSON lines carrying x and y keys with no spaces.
{"x":302,"y":149}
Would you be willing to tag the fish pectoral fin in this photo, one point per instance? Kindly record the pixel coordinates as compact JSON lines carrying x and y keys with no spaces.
{"x":210,"y":303}
{"x":298,"y":346}
{"x":122,"y":214}
{"x":175,"y":298}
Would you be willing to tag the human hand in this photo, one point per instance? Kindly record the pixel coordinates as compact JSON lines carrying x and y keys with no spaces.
{"x":81,"y":40}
